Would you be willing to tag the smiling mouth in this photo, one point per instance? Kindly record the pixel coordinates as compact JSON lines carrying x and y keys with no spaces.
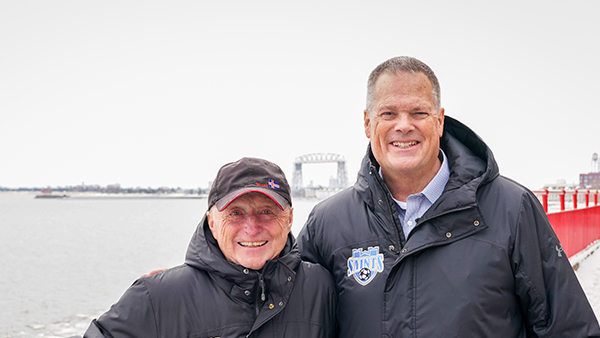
{"x":405,"y":144}
{"x":252,"y":244}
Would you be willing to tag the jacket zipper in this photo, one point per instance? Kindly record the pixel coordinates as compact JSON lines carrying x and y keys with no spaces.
{"x":379,"y":180}
{"x":261,"y":285}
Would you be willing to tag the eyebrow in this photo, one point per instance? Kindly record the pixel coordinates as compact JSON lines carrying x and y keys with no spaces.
{"x":418,"y":107}
{"x":387,"y":107}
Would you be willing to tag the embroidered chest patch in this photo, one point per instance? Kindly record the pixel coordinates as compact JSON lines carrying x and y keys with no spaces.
{"x":365,"y":264}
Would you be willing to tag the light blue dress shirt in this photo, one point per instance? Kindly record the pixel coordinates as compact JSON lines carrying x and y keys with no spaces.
{"x":417,"y":204}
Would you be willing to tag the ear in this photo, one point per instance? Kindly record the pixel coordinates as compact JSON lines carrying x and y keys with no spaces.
{"x":291,"y":218}
{"x":441,"y":121}
{"x":210,"y":219}
{"x":367,"y":121}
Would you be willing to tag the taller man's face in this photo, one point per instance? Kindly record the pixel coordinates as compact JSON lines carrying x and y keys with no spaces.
{"x":404,"y":125}
{"x":251,"y":230}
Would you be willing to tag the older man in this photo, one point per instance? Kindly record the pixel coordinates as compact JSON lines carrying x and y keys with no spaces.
{"x":242,"y":276}
{"x":431,"y":241}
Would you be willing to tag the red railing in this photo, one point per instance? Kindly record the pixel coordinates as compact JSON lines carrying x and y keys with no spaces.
{"x":574,"y":216}
{"x":563,"y":195}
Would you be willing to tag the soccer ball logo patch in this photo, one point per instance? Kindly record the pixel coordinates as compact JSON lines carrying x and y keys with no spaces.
{"x":364,"y":265}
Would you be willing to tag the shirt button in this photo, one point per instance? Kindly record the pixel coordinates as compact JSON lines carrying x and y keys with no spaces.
{"x":404,"y":250}
{"x":392,"y":248}
{"x":410,"y":223}
{"x":247,"y":293}
{"x":246,"y":271}
{"x":448,"y":234}
{"x":289,"y":279}
{"x":476,"y":223}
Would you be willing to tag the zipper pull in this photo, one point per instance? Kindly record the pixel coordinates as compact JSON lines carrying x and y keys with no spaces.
{"x":261,"y":283}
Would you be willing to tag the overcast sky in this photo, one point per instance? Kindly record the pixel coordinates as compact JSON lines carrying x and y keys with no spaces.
{"x":162,"y":93}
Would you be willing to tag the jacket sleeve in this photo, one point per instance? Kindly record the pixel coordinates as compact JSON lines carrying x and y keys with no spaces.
{"x":552,"y":301}
{"x":309,"y":249}
{"x":132,"y":316}
{"x":93,"y":331}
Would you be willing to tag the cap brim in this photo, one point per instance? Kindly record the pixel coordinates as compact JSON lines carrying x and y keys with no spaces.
{"x":272,"y":194}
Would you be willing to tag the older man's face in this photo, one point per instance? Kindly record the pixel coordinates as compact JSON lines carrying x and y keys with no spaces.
{"x":251,"y":230}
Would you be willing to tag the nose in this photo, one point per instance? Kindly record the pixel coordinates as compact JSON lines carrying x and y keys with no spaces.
{"x":403,"y":123}
{"x":252,"y":225}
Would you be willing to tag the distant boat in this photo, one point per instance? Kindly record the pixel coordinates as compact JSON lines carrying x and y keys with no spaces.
{"x":49,"y":194}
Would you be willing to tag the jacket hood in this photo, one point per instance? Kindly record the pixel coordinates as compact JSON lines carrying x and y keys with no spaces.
{"x":467,"y":153}
{"x":472,"y":165}
{"x":204,"y":253}
{"x":471,"y":162}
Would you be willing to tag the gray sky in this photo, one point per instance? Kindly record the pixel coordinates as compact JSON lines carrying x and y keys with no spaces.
{"x":162,"y":93}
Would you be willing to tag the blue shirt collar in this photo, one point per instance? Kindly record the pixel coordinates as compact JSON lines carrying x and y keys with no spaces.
{"x":436,"y":186}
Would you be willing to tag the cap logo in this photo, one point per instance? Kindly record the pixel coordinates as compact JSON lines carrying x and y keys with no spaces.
{"x":272,"y":184}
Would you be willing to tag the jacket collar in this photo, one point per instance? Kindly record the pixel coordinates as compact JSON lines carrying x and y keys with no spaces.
{"x":235,"y":280}
{"x":472,"y":164}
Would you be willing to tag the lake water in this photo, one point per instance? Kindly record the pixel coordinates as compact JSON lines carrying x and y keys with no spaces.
{"x":66,"y":261}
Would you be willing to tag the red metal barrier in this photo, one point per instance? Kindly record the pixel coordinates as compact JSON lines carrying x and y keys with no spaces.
{"x":575,"y":228}
{"x":563,"y":195}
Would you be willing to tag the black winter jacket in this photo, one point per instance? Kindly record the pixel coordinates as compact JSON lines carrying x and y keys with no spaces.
{"x":483,"y":261}
{"x":211,"y":297}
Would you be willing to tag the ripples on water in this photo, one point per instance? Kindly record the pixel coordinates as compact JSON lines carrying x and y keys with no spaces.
{"x":65,"y":261}
{"x":65,"y":328}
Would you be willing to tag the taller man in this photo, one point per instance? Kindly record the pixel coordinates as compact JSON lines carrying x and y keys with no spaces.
{"x":431,"y":241}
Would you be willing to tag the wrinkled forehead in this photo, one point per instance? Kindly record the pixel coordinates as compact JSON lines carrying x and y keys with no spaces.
{"x":403,"y":80}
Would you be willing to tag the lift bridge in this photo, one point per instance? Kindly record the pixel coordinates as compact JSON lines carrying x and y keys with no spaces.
{"x":298,"y":188}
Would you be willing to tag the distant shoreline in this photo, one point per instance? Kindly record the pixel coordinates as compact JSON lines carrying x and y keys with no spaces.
{"x":95,"y":195}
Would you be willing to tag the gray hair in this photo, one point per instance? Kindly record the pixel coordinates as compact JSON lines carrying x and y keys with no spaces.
{"x":405,"y":64}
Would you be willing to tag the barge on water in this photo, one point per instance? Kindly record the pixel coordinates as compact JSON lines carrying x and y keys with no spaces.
{"x":49,"y":194}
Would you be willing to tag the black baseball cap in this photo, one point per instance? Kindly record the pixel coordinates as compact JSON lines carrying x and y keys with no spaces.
{"x":249,"y":175}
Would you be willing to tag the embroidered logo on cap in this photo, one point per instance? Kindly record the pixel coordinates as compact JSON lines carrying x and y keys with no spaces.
{"x":273,"y":184}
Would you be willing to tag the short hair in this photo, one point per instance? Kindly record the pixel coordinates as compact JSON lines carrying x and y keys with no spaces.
{"x":405,"y":64}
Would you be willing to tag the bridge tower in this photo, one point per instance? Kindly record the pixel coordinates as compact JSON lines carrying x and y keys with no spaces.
{"x":342,"y":175}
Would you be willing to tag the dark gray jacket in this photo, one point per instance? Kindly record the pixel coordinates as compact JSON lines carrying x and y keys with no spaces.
{"x":483,"y":261}
{"x":211,"y":297}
